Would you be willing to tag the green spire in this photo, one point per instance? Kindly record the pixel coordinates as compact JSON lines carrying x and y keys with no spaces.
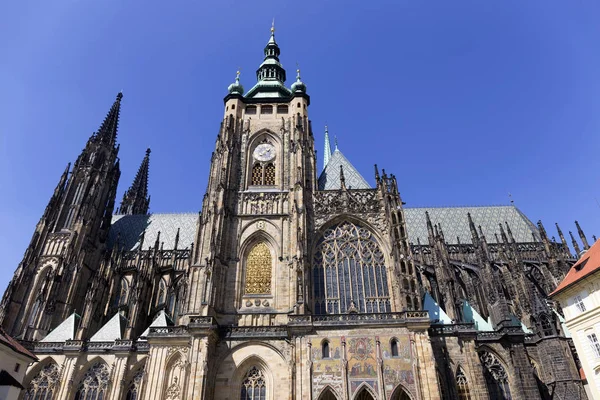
{"x":270,"y":75}
{"x":327,"y":152}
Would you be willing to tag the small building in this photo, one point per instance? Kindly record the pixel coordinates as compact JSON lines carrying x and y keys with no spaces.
{"x":14,"y":360}
{"x":579,"y":297}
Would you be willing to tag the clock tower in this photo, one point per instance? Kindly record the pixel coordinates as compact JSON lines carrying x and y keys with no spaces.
{"x":250,"y":250}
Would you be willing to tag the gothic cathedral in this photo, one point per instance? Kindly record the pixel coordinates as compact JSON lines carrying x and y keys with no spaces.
{"x":292,"y":283}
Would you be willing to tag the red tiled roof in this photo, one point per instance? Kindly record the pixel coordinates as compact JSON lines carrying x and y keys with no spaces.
{"x":13,"y":344}
{"x":586,"y":265}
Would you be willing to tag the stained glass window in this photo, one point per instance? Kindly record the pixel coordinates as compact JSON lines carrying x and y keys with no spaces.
{"x":349,"y":272}
{"x":94,"y":385}
{"x":462,"y":385}
{"x":254,"y":386}
{"x":42,"y":387}
{"x":258,"y":270}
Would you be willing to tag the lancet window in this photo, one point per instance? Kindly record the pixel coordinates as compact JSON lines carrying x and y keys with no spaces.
{"x":349,"y":272}
{"x":258,"y":270}
{"x":44,"y":385}
{"x":133,"y":392}
{"x":94,"y":385}
{"x":462,"y":385}
{"x":254,"y":386}
{"x":495,"y":376}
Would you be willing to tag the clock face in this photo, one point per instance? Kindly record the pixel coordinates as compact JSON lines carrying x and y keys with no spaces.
{"x":264,"y":152}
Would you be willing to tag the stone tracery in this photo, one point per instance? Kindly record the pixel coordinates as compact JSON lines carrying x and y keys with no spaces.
{"x":349,"y":272}
{"x":43,"y":385}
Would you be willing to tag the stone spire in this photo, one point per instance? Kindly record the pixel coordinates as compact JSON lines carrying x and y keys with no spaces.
{"x":575,"y":244}
{"x":136,"y":199}
{"x":327,"y":150}
{"x":562,"y":237}
{"x":582,"y":236}
{"x":107,"y":133}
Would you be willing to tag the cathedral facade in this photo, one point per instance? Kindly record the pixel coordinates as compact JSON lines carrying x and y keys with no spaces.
{"x":290,"y":284}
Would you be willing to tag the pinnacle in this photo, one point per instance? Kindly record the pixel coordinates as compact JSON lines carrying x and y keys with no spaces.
{"x":107,"y":132}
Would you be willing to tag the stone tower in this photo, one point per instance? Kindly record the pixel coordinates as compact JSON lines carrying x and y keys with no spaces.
{"x":50,"y":282}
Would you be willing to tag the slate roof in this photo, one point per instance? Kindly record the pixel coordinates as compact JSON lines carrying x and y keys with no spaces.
{"x":130,"y":228}
{"x":585,"y":266}
{"x":455,"y":223}
{"x":330,"y":177}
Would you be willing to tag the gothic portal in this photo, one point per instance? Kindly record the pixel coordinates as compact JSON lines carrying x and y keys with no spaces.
{"x":292,"y":283}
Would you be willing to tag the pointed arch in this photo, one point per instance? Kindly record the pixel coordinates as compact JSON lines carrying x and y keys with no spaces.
{"x":364,"y":392}
{"x":134,"y":389}
{"x":462,"y":384}
{"x":259,"y":267}
{"x":400,"y":393}
{"x":496,"y":376}
{"x":328,"y":393}
{"x":162,"y":292}
{"x":44,"y":382}
{"x":175,"y":377}
{"x":95,"y":383}
{"x":349,"y":270}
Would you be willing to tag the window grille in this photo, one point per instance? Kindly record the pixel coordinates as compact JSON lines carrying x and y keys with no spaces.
{"x":258,"y":270}
{"x":270,"y":174}
{"x":257,"y":174}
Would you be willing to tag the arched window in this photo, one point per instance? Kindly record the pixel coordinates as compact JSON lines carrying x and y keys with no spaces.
{"x":349,"y":272}
{"x":325,"y":349}
{"x":171,"y":304}
{"x":270,"y":174}
{"x":257,"y":174}
{"x":94,"y":385}
{"x":462,"y":385}
{"x":409,"y":304}
{"x":135,"y":387}
{"x":121,"y":293}
{"x":162,"y":292}
{"x":44,"y":384}
{"x":258,"y":270}
{"x":34,"y":312}
{"x":254,"y":386}
{"x":394,"y":346}
{"x":495,"y":376}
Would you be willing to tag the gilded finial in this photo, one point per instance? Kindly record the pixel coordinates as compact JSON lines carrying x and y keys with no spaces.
{"x":273,"y":26}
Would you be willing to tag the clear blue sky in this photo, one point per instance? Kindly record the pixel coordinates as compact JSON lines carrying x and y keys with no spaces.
{"x":465,"y":101}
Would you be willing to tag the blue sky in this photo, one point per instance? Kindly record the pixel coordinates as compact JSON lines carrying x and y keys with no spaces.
{"x":465,"y":101}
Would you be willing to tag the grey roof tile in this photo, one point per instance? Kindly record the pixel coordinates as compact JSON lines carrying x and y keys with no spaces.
{"x":130,"y":228}
{"x":455,"y":223}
